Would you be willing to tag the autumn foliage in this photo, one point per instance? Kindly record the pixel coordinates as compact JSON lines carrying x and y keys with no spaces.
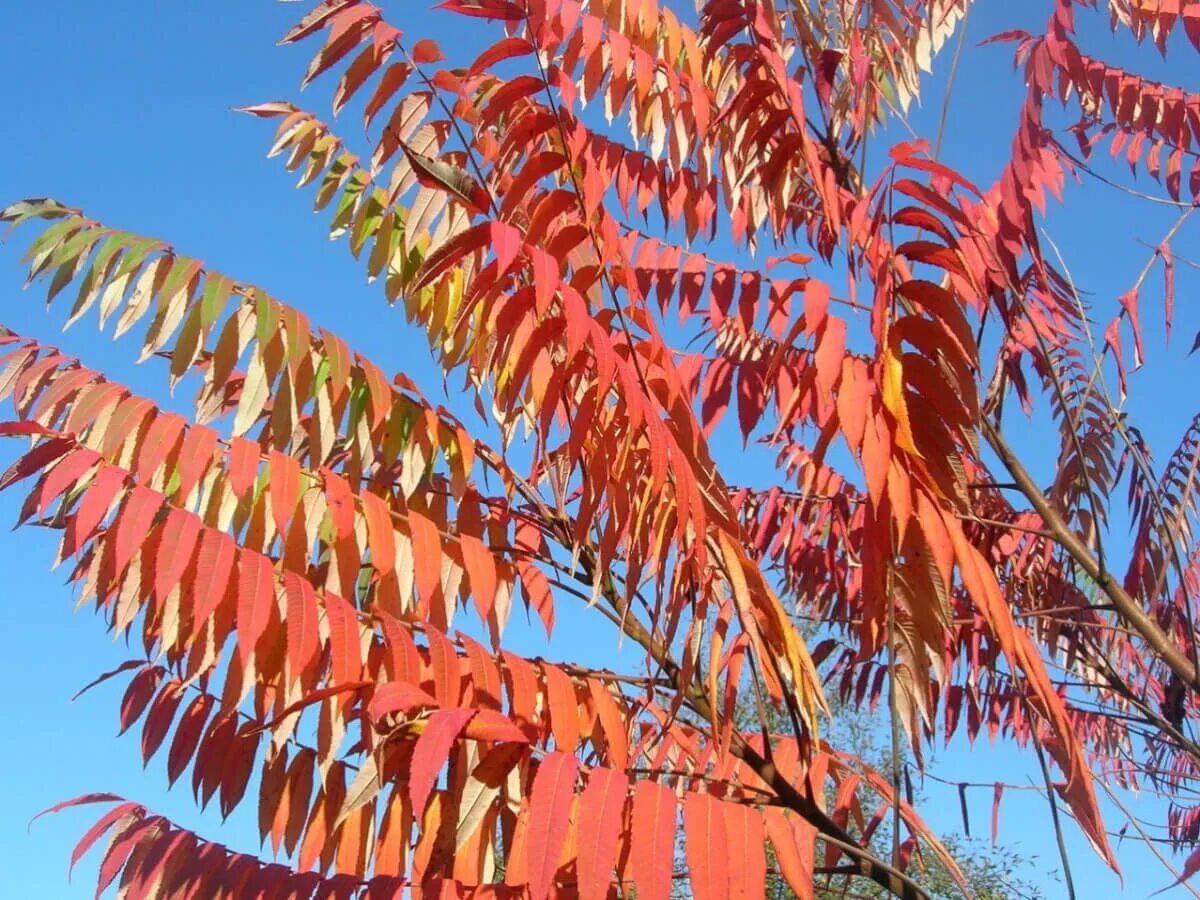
{"x":319,"y":563}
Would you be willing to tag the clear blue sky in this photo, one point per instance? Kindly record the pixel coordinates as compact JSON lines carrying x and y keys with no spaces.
{"x":122,"y":108}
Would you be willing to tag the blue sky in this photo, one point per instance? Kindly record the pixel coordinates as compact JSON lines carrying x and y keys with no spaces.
{"x":123,"y":108}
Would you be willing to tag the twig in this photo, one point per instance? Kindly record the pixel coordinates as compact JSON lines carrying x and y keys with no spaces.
{"x":1058,"y":832}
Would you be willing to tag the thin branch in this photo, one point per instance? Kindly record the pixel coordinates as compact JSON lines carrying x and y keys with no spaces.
{"x":1058,"y":832}
{"x":1126,"y":606}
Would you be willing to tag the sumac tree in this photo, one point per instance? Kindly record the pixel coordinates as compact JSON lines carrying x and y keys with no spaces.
{"x":319,"y":563}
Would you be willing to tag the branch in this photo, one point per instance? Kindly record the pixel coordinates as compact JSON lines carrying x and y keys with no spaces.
{"x":1126,"y":606}
{"x":865,"y":864}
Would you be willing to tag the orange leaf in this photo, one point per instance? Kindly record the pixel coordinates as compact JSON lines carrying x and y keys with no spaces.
{"x":481,"y":570}
{"x":707,"y":847}
{"x":303,"y":638}
{"x":393,"y":697}
{"x":380,"y":533}
{"x":564,"y":708}
{"x":653,"y":847}
{"x":611,"y":723}
{"x":489,"y":725}
{"x":748,"y":862}
{"x":427,"y":555}
{"x":447,"y":675}
{"x":600,"y":819}
{"x":793,"y":850}
{"x":283,"y":488}
{"x":344,"y":642}
{"x":831,"y":350}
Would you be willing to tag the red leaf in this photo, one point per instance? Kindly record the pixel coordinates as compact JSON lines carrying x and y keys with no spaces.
{"x":187,"y":734}
{"x":77,"y":801}
{"x":831,"y":348}
{"x":536,"y":587}
{"x":195,"y":457}
{"x":93,"y":834}
{"x":431,"y":750}
{"x":123,"y":667}
{"x":1164,"y":250}
{"x":611,"y":723}
{"x":522,"y":691}
{"x":403,"y":657}
{"x":506,"y":244}
{"x":481,"y":571}
{"x":211,"y":755}
{"x":341,"y":504}
{"x":564,"y":708}
{"x":133,"y":524}
{"x":653,"y":848}
{"x":160,"y":717}
{"x":36,"y":460}
{"x":506,"y":48}
{"x":484,"y":9}
{"x":447,"y":675}
{"x":137,"y":695}
{"x":380,"y":534}
{"x":816,"y":305}
{"x":215,"y":559}
{"x":1190,"y":867}
{"x":426,"y":51}
{"x":122,"y":845}
{"x":316,"y":19}
{"x":236,"y":769}
{"x":182,"y":532}
{"x":600,"y":812}
{"x":309,"y":699}
{"x":393,"y":79}
{"x":549,"y":814}
{"x":65,"y":475}
{"x":161,"y":438}
{"x":256,"y":596}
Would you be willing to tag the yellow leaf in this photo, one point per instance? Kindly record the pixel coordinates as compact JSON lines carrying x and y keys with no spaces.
{"x":784,"y":646}
{"x":893,"y":399}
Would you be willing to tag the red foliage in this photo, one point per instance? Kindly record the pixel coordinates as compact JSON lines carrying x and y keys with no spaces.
{"x":334,"y":523}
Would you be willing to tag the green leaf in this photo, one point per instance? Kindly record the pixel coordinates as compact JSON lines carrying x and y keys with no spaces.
{"x":338,"y":172}
{"x":212,"y":301}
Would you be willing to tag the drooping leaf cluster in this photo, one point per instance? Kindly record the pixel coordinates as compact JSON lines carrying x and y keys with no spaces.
{"x":319,"y":563}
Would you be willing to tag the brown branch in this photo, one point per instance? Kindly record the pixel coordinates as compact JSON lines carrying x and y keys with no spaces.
{"x":1125,"y":605}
